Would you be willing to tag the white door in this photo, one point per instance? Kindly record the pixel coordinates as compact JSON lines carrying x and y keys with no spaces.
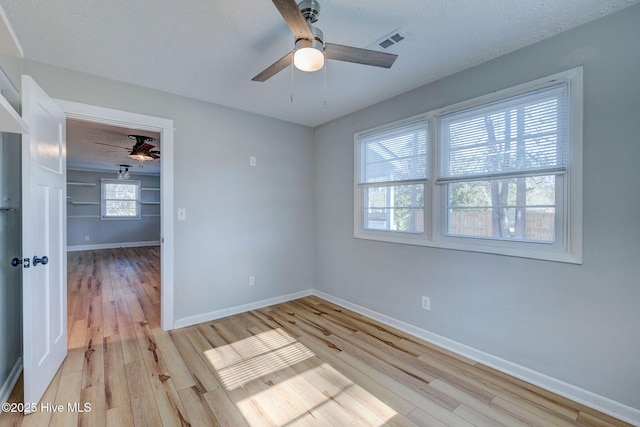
{"x":43,"y":235}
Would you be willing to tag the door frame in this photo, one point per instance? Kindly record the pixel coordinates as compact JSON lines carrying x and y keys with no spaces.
{"x":109,"y":116}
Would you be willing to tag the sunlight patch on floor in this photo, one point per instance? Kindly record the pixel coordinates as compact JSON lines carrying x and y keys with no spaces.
{"x":256,"y":356}
{"x":293,"y":387}
{"x":319,"y":395}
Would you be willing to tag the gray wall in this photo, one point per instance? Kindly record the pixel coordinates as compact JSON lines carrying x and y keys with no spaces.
{"x":241,"y":220}
{"x":576,"y":323}
{"x":84,"y":220}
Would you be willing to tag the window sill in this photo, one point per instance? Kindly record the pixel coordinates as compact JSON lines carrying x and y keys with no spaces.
{"x":537,"y":251}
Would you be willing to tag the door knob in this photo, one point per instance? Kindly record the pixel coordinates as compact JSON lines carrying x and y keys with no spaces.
{"x":44,"y":260}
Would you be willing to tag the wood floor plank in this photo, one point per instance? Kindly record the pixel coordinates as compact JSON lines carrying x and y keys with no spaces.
{"x":424,"y":419}
{"x":128,"y":339}
{"x":197,"y":408}
{"x":180,"y":374}
{"x":69,"y":391}
{"x":119,"y":416}
{"x":224,"y":409}
{"x":93,"y":367}
{"x":186,"y":342}
{"x":531,"y":415}
{"x":94,"y":316}
{"x":143,"y":403}
{"x":92,"y":407}
{"x":166,"y":397}
{"x":109,"y":318}
{"x":116,"y":389}
{"x":479,"y":406}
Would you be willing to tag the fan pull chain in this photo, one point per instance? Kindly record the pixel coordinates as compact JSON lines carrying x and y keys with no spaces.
{"x":291,"y":78}
{"x":325,"y":84}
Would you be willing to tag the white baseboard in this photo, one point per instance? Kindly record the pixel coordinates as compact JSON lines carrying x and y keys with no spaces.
{"x":111,"y":246}
{"x":10,"y":382}
{"x":577,"y":394}
{"x":218,"y":314}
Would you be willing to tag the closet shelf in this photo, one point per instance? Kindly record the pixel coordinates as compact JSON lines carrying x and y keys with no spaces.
{"x":87,"y":184}
{"x":10,"y":120}
{"x":83,"y":203}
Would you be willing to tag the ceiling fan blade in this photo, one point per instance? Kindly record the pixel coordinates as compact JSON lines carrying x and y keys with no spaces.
{"x":294,"y":19}
{"x":274,"y":68}
{"x":143,"y":147}
{"x":110,"y":145}
{"x":359,"y":56}
{"x":155,"y":156}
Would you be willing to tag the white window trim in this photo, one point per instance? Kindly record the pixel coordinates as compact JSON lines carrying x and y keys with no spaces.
{"x":568,"y":245}
{"x":103,"y":213}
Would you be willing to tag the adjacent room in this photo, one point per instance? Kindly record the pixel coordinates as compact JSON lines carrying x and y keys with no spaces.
{"x":319,"y":212}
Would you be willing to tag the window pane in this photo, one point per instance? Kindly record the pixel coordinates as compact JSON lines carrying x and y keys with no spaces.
{"x":519,"y":134}
{"x":121,"y":208}
{"x":396,"y":155}
{"x":120,"y":191}
{"x":395,"y":208}
{"x":506,"y":209}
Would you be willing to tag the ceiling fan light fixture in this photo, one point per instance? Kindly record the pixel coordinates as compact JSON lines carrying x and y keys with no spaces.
{"x":141,"y":156}
{"x":309,"y":55}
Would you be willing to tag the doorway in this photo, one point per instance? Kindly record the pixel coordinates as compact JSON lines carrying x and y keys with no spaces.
{"x":164,"y":127}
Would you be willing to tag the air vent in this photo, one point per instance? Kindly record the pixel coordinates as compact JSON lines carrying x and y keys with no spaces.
{"x":397,"y":37}
{"x":389,"y":40}
{"x":386,"y":43}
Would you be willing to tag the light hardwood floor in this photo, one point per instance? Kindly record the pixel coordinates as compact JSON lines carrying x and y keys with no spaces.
{"x":305,"y":362}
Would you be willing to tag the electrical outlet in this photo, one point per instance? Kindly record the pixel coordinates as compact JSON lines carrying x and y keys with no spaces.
{"x":426,"y":303}
{"x":86,"y":238}
{"x":252,"y":160}
{"x":252,"y":280}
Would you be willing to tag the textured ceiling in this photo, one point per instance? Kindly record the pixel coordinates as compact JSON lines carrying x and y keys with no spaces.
{"x":210,"y":49}
{"x":84,"y":153}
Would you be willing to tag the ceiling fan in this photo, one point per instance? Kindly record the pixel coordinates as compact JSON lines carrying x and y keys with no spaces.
{"x":141,"y":150}
{"x":310,"y":49}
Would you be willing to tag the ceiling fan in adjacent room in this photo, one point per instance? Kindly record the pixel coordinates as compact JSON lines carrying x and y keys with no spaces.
{"x":141,"y":151}
{"x":310,"y":49}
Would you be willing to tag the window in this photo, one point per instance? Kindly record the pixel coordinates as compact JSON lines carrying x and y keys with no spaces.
{"x":506,"y":175}
{"x":120,"y":199}
{"x":501,"y":164}
{"x":394,"y":168}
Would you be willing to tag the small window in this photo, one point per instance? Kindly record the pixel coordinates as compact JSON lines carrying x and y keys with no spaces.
{"x":120,"y":199}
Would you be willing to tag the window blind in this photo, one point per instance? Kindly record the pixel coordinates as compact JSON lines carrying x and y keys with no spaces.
{"x":395,"y":155}
{"x":518,"y":136}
